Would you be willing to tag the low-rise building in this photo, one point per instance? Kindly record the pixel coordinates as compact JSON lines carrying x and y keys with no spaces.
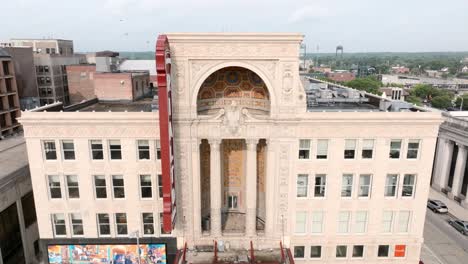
{"x":341,"y":76}
{"x":394,"y":93}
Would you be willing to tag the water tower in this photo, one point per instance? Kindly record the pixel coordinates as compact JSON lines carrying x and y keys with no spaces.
{"x":339,"y":48}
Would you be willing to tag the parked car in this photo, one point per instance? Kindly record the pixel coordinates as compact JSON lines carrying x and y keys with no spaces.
{"x":460,"y":225}
{"x":437,"y":206}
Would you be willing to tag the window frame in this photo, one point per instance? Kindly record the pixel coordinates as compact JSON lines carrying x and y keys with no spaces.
{"x":44,"y":149}
{"x":389,"y":251}
{"x":67,"y":186}
{"x":117,"y":225}
{"x":113,"y":187}
{"x":351,"y":187}
{"x":143,"y":224}
{"x":323,"y":183}
{"x":363,"y":252}
{"x":157,"y":147}
{"x":92,"y":150}
{"x":49,"y":186}
{"x":348,"y":223}
{"x":413,"y":186}
{"x":304,"y":223}
{"x":99,"y":224}
{"x":161,"y":232}
{"x":141,"y":186}
{"x":96,"y":187}
{"x":72,"y":225}
{"x":356,"y":222}
{"x":109,"y":143}
{"x":320,"y":251}
{"x":327,"y":141}
{"x":54,"y":228}
{"x":306,"y":185}
{"x":346,"y":149}
{"x":308,"y":150}
{"x":400,"y":149}
{"x":138,"y":141}
{"x":160,"y":186}
{"x":303,"y":252}
{"x":408,"y":222}
{"x":364,"y":147}
{"x":67,"y":150}
{"x":313,"y":222}
{"x":369,"y":186}
{"x":408,"y":149}
{"x":346,"y":252}
{"x":395,"y":195}
{"x":392,"y":221}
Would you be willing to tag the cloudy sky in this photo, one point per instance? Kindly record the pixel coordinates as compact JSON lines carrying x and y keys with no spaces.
{"x":133,"y":25}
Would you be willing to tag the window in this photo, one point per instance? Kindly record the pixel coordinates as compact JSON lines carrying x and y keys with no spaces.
{"x":383,"y":251}
{"x":76,"y":224}
{"x":160,"y":186}
{"x":341,"y":251}
{"x":97,"y":150}
{"x":50,"y":152}
{"x":115,"y":149}
{"x":146,"y":186}
{"x":358,"y":251}
{"x":302,"y":184}
{"x":360,"y":224}
{"x":367,"y":148}
{"x":143,"y":150}
{"x":46,"y":68}
{"x":343,"y":221}
{"x":322,"y":149}
{"x":400,"y":251}
{"x":315,"y":251}
{"x":158,"y":149}
{"x":409,"y":181}
{"x":148,"y":223}
{"x":413,"y":149}
{"x":121,"y":223}
{"x":29,"y":210}
{"x":403,"y":221}
{"x":232,"y":201}
{"x":387,"y":221}
{"x":47,"y":50}
{"x":347,"y":185}
{"x":304,"y":149}
{"x":58,"y":222}
{"x":301,"y":222}
{"x":103,"y":224}
{"x":162,"y":225}
{"x":68,"y":149}
{"x":395,"y":148}
{"x":320,"y":184}
{"x":118,"y":186}
{"x":317,"y":222}
{"x":55,"y":191}
{"x":72,"y":186}
{"x":299,"y":251}
{"x":391,"y":184}
{"x":100,"y":186}
{"x":350,"y":149}
{"x":364,"y":185}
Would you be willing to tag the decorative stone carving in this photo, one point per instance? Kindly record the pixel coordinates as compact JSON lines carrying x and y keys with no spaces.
{"x":179,"y":78}
{"x":233,"y":118}
{"x":282,"y":218}
{"x":287,"y":80}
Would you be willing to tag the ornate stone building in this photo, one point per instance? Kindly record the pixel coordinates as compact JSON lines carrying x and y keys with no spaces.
{"x":260,"y":154}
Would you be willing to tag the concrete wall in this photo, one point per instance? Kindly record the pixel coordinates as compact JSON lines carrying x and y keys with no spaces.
{"x":113,"y":86}
{"x":81,"y":82}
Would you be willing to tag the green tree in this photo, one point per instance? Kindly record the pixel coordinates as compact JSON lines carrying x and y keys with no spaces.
{"x":465,"y":102}
{"x":368,"y":84}
{"x":414,"y":100}
{"x":441,"y":102}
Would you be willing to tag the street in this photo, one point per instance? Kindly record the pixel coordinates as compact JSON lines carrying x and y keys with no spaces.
{"x":443,"y":244}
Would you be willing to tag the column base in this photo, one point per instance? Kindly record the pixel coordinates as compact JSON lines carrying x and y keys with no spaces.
{"x":251,"y":222}
{"x":216,"y":222}
{"x":451,"y":195}
{"x":464,"y":203}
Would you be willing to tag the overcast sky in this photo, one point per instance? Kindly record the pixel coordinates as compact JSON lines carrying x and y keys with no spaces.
{"x":133,"y":25}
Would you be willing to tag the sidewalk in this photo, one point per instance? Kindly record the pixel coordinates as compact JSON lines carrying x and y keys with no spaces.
{"x":454,"y":208}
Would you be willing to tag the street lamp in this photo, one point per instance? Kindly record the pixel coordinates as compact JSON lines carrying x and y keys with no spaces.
{"x":136,"y":234}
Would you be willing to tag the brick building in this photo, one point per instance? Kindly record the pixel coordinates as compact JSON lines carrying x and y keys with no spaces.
{"x":9,"y":101}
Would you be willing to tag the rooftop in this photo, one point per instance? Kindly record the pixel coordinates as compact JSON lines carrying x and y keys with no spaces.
{"x":4,"y":53}
{"x":142,"y":105}
{"x":13,"y":156}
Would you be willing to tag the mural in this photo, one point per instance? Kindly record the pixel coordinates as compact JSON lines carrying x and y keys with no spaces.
{"x":107,"y":254}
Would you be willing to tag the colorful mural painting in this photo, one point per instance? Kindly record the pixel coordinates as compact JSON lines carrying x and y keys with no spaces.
{"x":107,"y":254}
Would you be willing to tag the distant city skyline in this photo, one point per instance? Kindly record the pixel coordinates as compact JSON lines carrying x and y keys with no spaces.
{"x":133,"y":25}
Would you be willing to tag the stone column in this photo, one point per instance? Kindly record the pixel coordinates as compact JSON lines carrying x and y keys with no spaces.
{"x":446,"y":158}
{"x":196,"y":191}
{"x":459,"y":172}
{"x":251,"y":188}
{"x":19,"y":209}
{"x":215,"y":187}
{"x":270,"y":187}
{"x":437,"y":163}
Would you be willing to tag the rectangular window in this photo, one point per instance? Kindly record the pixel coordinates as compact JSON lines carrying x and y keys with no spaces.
{"x":143,"y":150}
{"x":97,"y":150}
{"x":395,"y":148}
{"x":304,"y":149}
{"x":148,"y":223}
{"x":364,"y":185}
{"x":343,"y":221}
{"x":409,"y":181}
{"x":367,"y":149}
{"x":301,"y":222}
{"x":50,"y":152}
{"x":403,"y":221}
{"x":322,"y":149}
{"x":299,"y":252}
{"x":73,"y":186}
{"x":55,"y":191}
{"x":400,"y":251}
{"x":302,"y":184}
{"x":115,"y":150}
{"x":146,"y":186}
{"x":58,"y":222}
{"x":350,"y":149}
{"x":76,"y":224}
{"x":320,"y":185}
{"x":68,"y":150}
{"x":383,"y":251}
{"x":160,"y":186}
{"x":315,"y":251}
{"x":413,"y":149}
{"x":162,"y":226}
{"x":100,"y":186}
{"x":391,"y":184}
{"x":358,"y":251}
{"x":360,"y":224}
{"x":103,"y":224}
{"x":387,"y":221}
{"x":317,"y":222}
{"x":118,"y":186}
{"x":232,"y":201}
{"x":341,"y":251}
{"x":158,"y":149}
{"x":347,"y":185}
{"x":121,"y":223}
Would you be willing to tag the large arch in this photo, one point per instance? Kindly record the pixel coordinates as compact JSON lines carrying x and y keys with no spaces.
{"x":195,"y":89}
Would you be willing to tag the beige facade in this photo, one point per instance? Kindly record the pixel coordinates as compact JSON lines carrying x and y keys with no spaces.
{"x":250,"y":154}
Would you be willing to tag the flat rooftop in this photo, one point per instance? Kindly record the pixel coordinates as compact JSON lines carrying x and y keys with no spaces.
{"x":142,"y":105}
{"x":13,"y":155}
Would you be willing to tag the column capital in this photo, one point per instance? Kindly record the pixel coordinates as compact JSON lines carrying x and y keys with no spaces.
{"x":251,"y":143}
{"x":214,"y":143}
